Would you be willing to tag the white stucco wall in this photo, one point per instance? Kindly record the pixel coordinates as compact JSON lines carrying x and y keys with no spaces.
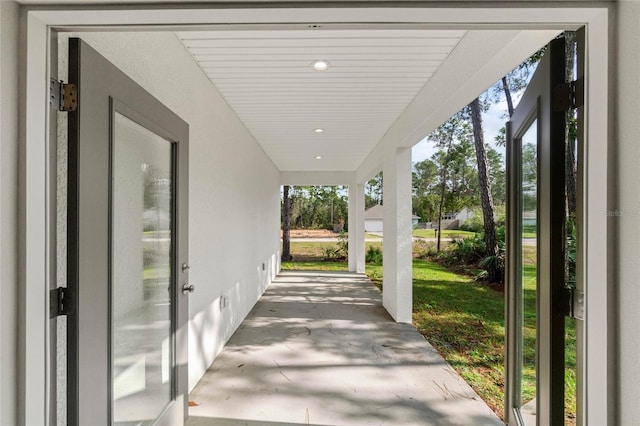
{"x":626,"y":220}
{"x":9,"y":208}
{"x":234,"y":189}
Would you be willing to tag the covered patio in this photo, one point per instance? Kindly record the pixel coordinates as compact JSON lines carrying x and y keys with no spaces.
{"x":317,"y":348}
{"x":320,"y":349}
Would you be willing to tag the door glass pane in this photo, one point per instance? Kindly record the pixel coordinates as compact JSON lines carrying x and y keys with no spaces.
{"x":141,"y":245}
{"x":529,"y":261}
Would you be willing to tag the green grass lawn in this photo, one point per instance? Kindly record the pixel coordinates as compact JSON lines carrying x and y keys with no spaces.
{"x":313,"y":251}
{"x":464,"y":321}
{"x":314,"y":266}
{"x":446,"y":233}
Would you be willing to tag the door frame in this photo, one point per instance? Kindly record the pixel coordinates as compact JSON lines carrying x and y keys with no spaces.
{"x":36,"y":198}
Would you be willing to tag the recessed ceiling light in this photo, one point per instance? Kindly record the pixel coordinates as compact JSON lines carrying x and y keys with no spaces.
{"x":320,"y":65}
{"x":318,"y":130}
{"x":318,"y":157}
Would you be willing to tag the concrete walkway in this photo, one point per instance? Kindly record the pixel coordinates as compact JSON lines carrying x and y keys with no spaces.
{"x":319,"y":349}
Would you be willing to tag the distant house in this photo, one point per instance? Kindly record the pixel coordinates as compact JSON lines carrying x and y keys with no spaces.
{"x":529,"y":217}
{"x":460,"y":216}
{"x":450,"y":220}
{"x":374,"y":216}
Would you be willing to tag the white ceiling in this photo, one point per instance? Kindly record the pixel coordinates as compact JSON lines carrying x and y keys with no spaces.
{"x":267,"y":78}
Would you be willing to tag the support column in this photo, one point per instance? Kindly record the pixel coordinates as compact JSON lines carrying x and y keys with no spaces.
{"x":356,"y":228}
{"x":397,"y":260}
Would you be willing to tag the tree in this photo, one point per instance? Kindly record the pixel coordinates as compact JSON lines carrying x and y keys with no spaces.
{"x":424,"y":179}
{"x":491,"y":243}
{"x":452,"y":130}
{"x":497,"y":176}
{"x":286,"y":221}
{"x":373,"y":191}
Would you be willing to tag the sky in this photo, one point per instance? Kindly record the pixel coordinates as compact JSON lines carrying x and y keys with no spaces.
{"x":492,"y":121}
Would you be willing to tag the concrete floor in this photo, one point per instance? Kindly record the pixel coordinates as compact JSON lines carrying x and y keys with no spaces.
{"x":319,"y":349}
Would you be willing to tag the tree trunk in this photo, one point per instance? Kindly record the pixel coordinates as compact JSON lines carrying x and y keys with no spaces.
{"x":570,"y":135}
{"x":286,"y":222}
{"x":444,"y":185}
{"x":507,"y":95}
{"x":485,"y":192}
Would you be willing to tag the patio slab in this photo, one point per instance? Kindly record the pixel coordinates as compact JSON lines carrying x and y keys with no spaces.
{"x":319,"y":349}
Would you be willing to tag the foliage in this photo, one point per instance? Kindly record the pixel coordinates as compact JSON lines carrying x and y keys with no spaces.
{"x":470,"y":253}
{"x":497,"y":176}
{"x":466,"y":251}
{"x":373,"y":191}
{"x":338,"y":252}
{"x":517,"y":79}
{"x":425,"y":186}
{"x":319,"y":207}
{"x":432,"y":233}
{"x":496,"y":262}
{"x":476,"y":223}
{"x":424,"y":249}
{"x":572,"y":250}
{"x":314,"y":266}
{"x":451,"y":174}
{"x":373,"y":255}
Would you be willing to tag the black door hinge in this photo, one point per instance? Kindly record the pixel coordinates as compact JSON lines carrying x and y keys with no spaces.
{"x":62,"y":96}
{"x":60,"y":302}
{"x":568,"y":96}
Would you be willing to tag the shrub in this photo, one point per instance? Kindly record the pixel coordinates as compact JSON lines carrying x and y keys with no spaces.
{"x":424,"y":249}
{"x":373,"y":255}
{"x":343,"y":245}
{"x":476,"y":222}
{"x":338,"y":252}
{"x":467,"y":251}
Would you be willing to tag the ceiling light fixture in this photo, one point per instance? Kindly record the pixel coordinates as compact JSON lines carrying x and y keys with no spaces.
{"x":318,"y":157}
{"x":320,"y":65}
{"x":318,"y":130}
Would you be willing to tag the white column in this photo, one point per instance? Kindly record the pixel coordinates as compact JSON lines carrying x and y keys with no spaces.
{"x":356,"y":228}
{"x":397,"y":278}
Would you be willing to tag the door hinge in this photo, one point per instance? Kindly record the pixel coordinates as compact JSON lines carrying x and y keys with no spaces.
{"x":63,"y":96}
{"x":573,"y":303}
{"x":60,"y":302}
{"x":576,"y":303}
{"x":568,"y":96}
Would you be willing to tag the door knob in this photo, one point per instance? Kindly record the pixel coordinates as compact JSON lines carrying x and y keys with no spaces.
{"x":185,"y":267}
{"x":186,"y":288}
